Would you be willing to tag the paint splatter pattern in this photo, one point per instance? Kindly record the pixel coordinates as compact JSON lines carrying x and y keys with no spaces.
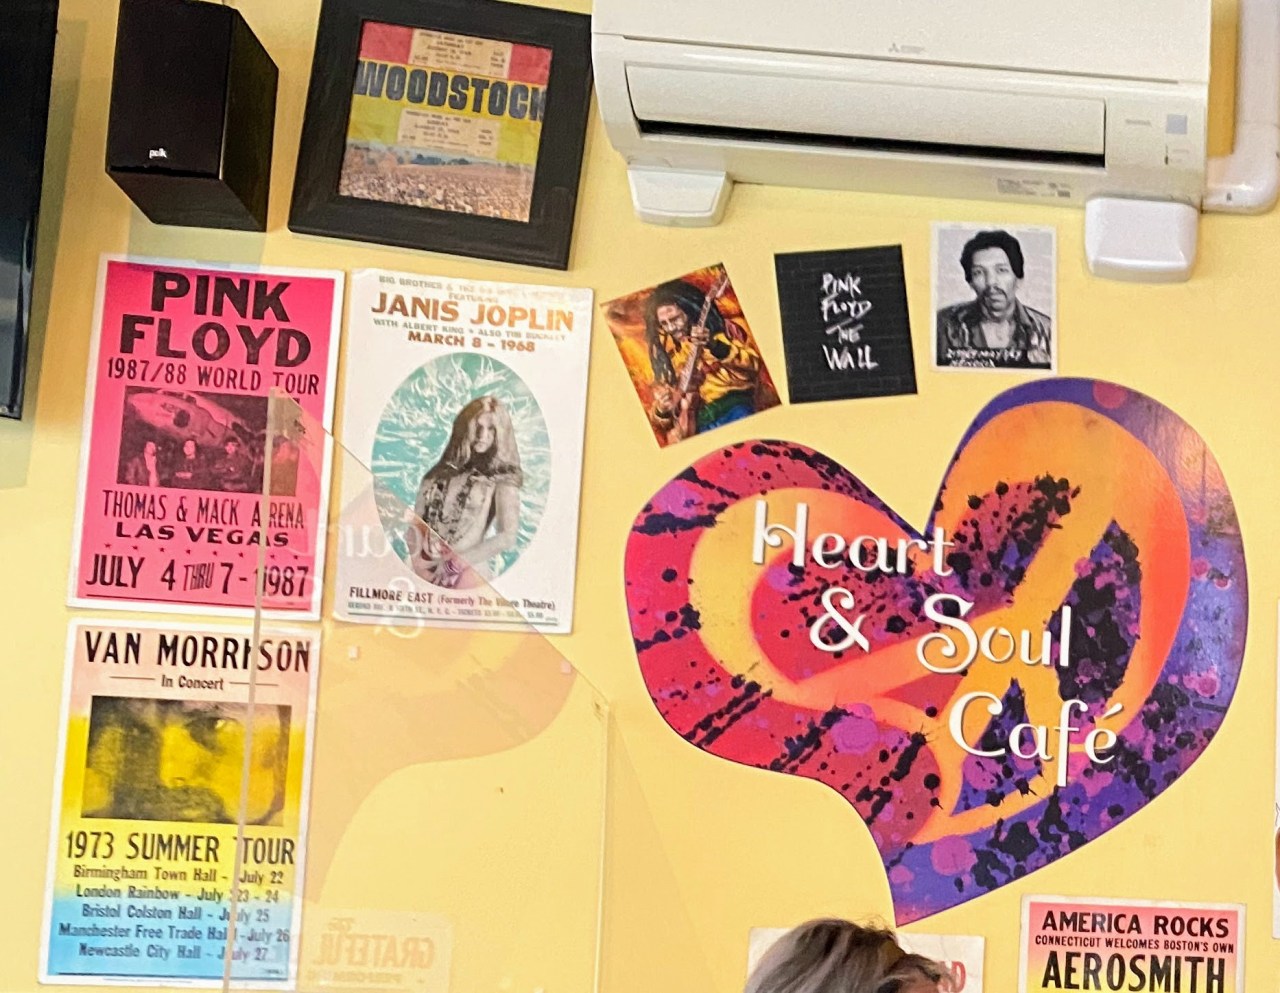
{"x":1069,"y":493}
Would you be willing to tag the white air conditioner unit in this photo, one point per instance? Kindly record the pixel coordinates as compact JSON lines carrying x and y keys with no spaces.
{"x":1086,"y":102}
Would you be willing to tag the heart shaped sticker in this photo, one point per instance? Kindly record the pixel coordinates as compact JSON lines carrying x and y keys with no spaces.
{"x":1046,"y":657}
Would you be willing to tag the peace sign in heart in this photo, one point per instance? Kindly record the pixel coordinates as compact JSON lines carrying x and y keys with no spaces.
{"x":1049,"y":655}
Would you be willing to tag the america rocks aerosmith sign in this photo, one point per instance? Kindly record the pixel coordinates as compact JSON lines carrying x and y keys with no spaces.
{"x":1048,"y":655}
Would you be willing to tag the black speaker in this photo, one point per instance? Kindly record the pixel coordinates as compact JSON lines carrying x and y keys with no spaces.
{"x":193,"y":105}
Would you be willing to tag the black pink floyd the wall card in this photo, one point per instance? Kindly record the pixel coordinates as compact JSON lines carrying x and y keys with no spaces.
{"x":845,"y":328}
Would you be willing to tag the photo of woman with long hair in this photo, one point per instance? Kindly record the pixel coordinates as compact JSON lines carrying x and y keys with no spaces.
{"x":468,"y":505}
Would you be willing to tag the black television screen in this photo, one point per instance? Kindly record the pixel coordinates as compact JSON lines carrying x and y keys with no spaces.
{"x":27,"y":29}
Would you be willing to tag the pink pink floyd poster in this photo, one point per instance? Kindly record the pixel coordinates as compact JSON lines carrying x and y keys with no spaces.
{"x":176,"y":446}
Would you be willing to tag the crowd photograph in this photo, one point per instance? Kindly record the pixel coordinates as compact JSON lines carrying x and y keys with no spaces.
{"x":488,"y":189}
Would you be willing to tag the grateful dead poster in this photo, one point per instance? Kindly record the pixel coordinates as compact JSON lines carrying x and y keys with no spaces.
{"x":183,"y":363}
{"x":691,"y":356}
{"x":465,"y":404}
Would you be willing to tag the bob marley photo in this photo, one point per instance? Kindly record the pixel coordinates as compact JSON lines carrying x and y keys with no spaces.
{"x":691,"y":356}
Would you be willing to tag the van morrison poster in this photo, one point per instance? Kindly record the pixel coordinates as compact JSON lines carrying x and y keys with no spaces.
{"x":150,"y":873}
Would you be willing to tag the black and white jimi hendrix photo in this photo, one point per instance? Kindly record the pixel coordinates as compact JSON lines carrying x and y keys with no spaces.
{"x":994,"y":292}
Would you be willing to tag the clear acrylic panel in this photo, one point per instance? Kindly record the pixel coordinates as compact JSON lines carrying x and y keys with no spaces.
{"x":423,"y":806}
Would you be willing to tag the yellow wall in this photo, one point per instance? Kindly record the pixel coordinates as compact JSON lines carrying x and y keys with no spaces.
{"x":699,"y":850}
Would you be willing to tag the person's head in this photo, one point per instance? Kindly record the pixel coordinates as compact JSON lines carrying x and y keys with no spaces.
{"x":672,"y":310}
{"x":993,"y":267}
{"x":149,"y":450}
{"x":182,"y":760}
{"x":484,"y":432}
{"x":483,"y":438}
{"x":231,"y":446}
{"x":835,"y":956}
{"x":672,"y":319}
{"x":189,"y":448}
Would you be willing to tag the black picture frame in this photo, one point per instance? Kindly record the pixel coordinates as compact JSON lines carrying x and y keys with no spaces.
{"x":544,"y":240}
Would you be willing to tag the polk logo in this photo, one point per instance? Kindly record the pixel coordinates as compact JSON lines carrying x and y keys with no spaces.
{"x":157,"y":153}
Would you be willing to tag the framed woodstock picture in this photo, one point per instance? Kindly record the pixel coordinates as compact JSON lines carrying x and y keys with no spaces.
{"x":454,"y":126}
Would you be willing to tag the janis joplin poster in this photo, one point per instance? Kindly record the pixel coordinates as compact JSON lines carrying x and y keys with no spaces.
{"x":466,"y":401}
{"x":1046,"y":656}
{"x":173,"y":459}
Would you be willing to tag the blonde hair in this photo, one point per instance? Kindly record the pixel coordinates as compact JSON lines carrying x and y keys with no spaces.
{"x":501,"y":461}
{"x":836,"y":956}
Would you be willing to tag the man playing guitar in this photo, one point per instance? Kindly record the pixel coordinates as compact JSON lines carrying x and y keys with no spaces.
{"x":705,"y":367}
